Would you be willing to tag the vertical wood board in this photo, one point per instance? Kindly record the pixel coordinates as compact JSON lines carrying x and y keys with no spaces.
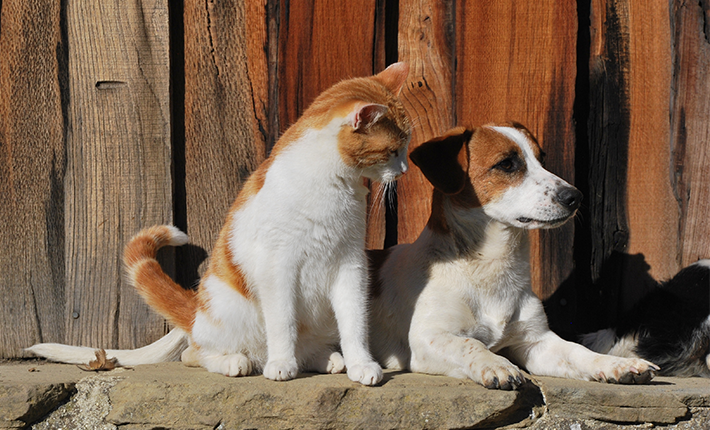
{"x":32,"y":166}
{"x":516,"y":61}
{"x":652,"y":208}
{"x":225,"y":101}
{"x":118,"y":163}
{"x":425,"y":44}
{"x":320,"y":43}
{"x":690,"y":128}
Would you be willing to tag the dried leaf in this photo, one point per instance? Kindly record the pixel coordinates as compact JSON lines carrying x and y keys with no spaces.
{"x":101,"y":362}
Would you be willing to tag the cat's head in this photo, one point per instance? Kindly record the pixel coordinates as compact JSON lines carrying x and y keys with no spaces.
{"x":375,"y":129}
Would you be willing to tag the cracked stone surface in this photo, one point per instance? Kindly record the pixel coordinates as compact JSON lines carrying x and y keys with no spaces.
{"x":170,"y":395}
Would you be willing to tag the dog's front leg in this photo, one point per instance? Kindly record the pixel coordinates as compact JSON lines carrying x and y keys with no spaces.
{"x":444,"y":353}
{"x":550,"y":355}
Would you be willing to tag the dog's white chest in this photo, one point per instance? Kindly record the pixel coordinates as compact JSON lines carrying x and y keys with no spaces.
{"x":492,"y":315}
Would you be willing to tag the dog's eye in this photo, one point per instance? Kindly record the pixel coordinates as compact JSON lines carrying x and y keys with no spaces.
{"x":507,"y":165}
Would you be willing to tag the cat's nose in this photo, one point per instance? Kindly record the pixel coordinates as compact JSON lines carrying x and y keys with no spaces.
{"x":403,"y":168}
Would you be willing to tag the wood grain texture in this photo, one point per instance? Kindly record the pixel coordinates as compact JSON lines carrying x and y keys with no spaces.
{"x":652,"y":210}
{"x":517,"y":61}
{"x":425,"y":43}
{"x":605,"y":156}
{"x":32,"y":166}
{"x":118,"y":163}
{"x":690,"y":129}
{"x":226,"y":100}
{"x":321,"y":43}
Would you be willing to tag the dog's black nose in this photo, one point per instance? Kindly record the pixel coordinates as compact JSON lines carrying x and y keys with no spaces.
{"x":570,"y":198}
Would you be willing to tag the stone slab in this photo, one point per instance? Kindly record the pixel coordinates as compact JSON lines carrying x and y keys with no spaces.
{"x":664,"y":400}
{"x":170,"y":395}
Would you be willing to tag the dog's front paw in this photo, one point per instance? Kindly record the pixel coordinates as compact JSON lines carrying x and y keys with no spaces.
{"x":497,"y":372}
{"x":628,"y":371}
{"x":281,"y":370}
{"x":365,"y":373}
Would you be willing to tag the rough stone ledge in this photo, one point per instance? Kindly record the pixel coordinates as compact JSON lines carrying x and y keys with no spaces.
{"x":51,"y":396}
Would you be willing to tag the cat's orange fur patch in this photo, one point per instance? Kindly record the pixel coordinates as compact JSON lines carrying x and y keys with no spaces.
{"x":222,"y":266}
{"x":165,"y":296}
{"x":177,"y":303}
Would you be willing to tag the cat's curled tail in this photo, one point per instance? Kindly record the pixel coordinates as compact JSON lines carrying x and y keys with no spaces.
{"x":173,"y":302}
{"x":143,"y":271}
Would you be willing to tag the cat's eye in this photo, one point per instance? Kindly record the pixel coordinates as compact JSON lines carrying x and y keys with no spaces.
{"x":508,"y":165}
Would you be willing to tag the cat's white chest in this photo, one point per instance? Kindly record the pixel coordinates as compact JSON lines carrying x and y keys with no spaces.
{"x":307,"y":219}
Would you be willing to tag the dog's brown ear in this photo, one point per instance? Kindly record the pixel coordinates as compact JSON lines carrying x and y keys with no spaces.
{"x":444,"y":160}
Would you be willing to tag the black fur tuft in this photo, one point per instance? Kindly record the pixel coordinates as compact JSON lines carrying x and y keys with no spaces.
{"x":672,"y":325}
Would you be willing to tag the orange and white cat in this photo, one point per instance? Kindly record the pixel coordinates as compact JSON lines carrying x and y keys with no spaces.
{"x":287,"y":278}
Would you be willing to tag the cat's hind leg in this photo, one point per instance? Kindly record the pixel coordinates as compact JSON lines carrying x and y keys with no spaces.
{"x":227,"y":364}
{"x":325,"y":362}
{"x":335,"y":363}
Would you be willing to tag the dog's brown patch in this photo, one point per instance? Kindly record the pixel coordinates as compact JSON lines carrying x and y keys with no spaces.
{"x":488,"y":149}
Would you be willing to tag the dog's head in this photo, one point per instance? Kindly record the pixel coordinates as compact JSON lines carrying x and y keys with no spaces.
{"x":498,"y":168}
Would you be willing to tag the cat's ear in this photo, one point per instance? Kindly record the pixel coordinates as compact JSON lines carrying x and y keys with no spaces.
{"x":444,"y":160}
{"x":364,"y":116}
{"x":394,"y":76}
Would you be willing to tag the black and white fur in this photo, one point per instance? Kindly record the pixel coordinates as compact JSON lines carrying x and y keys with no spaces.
{"x":670,"y":326}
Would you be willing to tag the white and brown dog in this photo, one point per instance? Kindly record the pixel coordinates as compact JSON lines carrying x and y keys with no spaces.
{"x":458,"y":301}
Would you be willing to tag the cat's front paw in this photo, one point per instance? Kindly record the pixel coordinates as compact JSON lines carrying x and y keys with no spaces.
{"x":336,"y":364}
{"x":281,"y":370}
{"x":366,"y":373}
{"x":628,"y":371}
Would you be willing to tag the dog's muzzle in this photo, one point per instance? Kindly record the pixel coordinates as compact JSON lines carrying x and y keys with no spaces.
{"x":569,"y":198}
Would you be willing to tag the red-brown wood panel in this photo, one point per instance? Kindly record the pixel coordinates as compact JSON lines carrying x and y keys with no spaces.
{"x":320,"y":43}
{"x":690,"y":128}
{"x":323,"y":42}
{"x":424,"y":43}
{"x":517,"y":61}
{"x":652,"y":208}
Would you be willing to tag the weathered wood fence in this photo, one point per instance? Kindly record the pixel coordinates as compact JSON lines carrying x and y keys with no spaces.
{"x":116,"y":115}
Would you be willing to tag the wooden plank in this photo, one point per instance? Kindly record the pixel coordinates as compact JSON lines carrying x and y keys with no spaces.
{"x":226,"y":116}
{"x":118,"y":162}
{"x":424,"y":44}
{"x":652,"y":209}
{"x":32,"y":166}
{"x":517,"y":61}
{"x":690,"y":129}
{"x":321,"y":43}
